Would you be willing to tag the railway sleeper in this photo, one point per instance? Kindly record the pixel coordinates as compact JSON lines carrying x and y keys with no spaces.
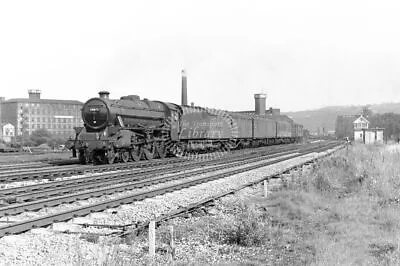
{"x":8,"y":200}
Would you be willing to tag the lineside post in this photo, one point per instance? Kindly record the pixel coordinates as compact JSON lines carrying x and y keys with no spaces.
{"x":172,"y":243}
{"x":152,"y":239}
{"x":265,"y":186}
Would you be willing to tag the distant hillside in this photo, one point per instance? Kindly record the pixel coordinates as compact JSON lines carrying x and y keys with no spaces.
{"x":326,"y":117}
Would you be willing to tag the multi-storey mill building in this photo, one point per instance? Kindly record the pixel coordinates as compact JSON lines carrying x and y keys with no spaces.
{"x":59,"y":117}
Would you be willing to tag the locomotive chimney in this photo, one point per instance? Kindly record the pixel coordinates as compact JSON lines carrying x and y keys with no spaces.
{"x":104,"y":94}
{"x":260,"y":103}
{"x":184,"y":88}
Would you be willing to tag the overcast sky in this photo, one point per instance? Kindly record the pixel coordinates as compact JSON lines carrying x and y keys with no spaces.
{"x":303,"y":54}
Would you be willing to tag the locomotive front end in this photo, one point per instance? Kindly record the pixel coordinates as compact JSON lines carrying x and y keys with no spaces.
{"x":95,"y":114}
{"x":93,"y":140}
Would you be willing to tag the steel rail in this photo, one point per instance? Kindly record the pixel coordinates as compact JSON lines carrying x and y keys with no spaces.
{"x":65,"y":171}
{"x":122,"y":178}
{"x":8,"y":164}
{"x":17,"y":194}
{"x":6,"y":167}
{"x":70,"y":170}
{"x":66,"y":215}
{"x":18,"y":208}
{"x":41,"y":169}
{"x":19,"y":189}
{"x":84,"y":169}
{"x":24,"y":193}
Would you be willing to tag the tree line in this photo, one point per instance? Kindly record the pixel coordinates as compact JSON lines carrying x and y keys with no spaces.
{"x":389,"y":121}
{"x":38,"y":137}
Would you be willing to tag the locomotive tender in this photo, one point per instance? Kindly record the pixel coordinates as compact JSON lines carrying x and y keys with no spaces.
{"x":130,"y":129}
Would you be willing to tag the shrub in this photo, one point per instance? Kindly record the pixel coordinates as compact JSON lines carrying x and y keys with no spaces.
{"x":340,"y":174}
{"x":247,"y":229}
{"x":40,"y":136}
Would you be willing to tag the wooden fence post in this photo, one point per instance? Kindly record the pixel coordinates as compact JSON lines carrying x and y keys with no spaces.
{"x":265,"y":185}
{"x":172,"y":243}
{"x":152,"y":239}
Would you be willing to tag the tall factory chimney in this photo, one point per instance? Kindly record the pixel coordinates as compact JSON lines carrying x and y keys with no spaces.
{"x":184,"y":88}
{"x":260,"y":103}
{"x":2,"y":99}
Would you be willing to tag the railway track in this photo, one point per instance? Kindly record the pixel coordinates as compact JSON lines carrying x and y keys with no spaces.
{"x":48,"y":198}
{"x":9,"y":166}
{"x":45,"y":190}
{"x":46,"y":220}
{"x":52,"y":172}
{"x":30,"y":166}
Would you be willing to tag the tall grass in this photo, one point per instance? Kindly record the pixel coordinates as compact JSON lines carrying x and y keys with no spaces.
{"x":372,"y":169}
{"x":360,"y":188}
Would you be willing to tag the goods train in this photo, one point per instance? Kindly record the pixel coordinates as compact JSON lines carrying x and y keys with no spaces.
{"x":131,"y":129}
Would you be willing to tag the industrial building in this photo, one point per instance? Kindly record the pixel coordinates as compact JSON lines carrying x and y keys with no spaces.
{"x":59,"y":117}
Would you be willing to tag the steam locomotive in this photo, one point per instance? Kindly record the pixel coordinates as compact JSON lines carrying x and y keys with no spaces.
{"x":131,"y":129}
